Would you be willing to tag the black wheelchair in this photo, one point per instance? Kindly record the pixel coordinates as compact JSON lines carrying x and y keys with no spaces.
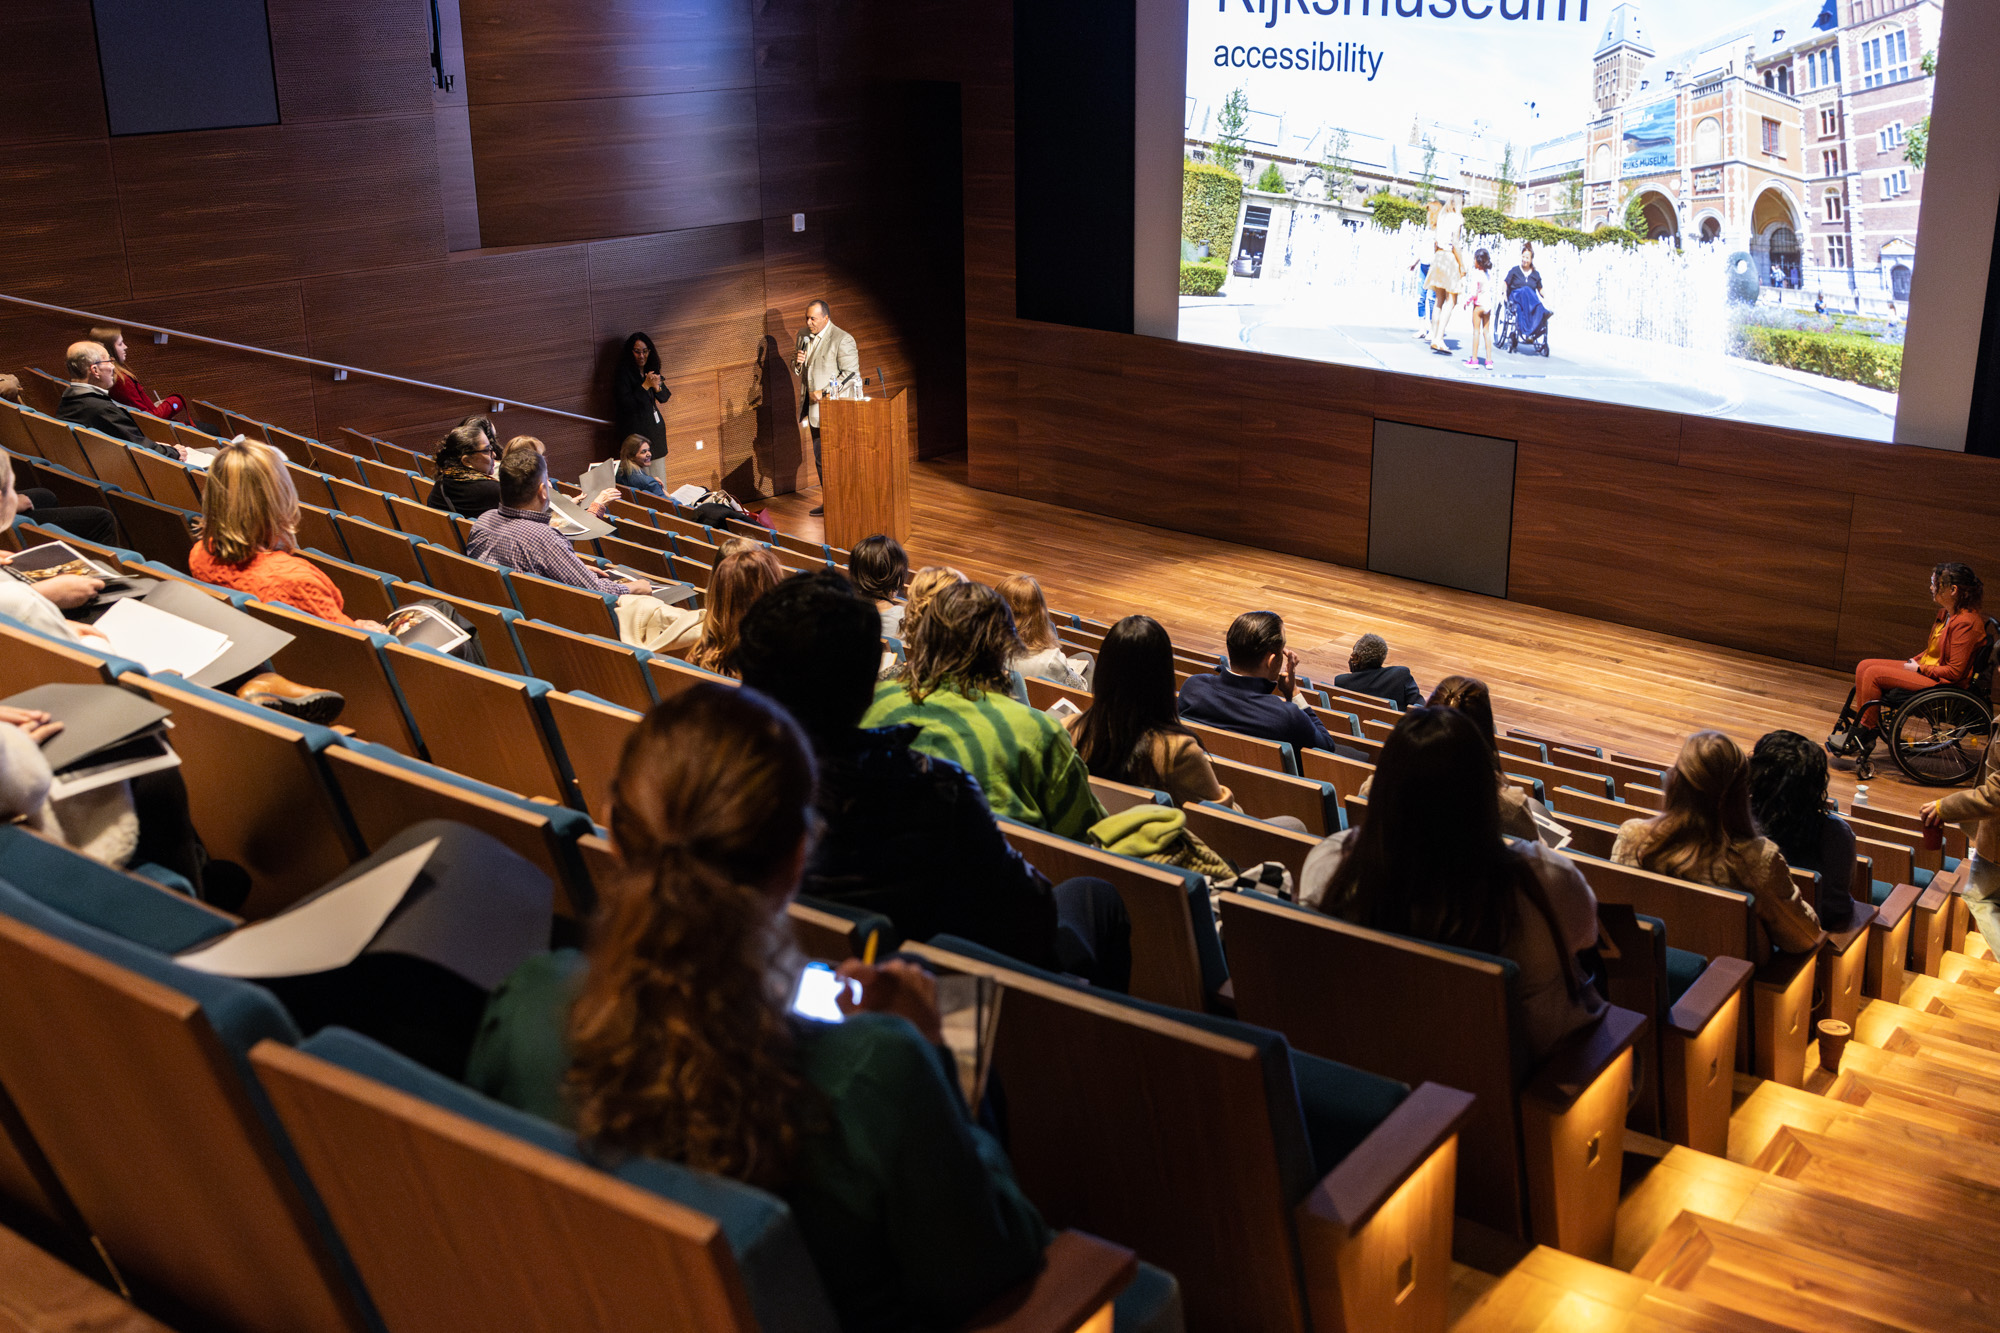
{"x":1507,"y":331}
{"x":1938,"y":736}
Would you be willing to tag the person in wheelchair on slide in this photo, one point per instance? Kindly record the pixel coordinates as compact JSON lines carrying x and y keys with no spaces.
{"x":1935,"y":708}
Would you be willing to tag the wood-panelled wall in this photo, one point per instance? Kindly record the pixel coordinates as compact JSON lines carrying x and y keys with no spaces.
{"x":1800,"y":546}
{"x":635,"y":167}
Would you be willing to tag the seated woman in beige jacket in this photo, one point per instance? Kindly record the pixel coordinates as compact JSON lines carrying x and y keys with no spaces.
{"x":1979,"y":808}
{"x":1707,"y":836}
{"x":1132,"y":731}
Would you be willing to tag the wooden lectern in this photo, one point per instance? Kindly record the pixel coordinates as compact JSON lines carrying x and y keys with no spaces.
{"x":866,"y":489}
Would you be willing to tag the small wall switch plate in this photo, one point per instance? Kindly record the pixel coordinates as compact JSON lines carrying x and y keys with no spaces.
{"x":798,"y":222}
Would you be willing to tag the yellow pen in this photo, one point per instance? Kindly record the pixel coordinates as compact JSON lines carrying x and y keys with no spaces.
{"x":868,"y":949}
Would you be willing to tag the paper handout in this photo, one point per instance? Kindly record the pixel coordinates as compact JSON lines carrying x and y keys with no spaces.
{"x":324,"y":932}
{"x":159,"y":641}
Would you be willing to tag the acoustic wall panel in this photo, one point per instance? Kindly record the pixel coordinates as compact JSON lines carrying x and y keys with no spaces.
{"x":173,"y":65}
{"x":1441,"y":507}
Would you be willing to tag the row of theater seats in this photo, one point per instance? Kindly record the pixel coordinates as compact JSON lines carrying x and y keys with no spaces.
{"x":1229,"y":1132}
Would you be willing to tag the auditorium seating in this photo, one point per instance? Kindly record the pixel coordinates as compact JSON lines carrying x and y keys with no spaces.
{"x":1146,"y":1122}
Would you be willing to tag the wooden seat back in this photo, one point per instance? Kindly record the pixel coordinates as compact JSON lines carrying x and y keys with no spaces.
{"x":494,"y":624}
{"x":364,"y":593}
{"x":258,"y":793}
{"x":691,"y":572}
{"x":388,"y":478}
{"x":70,"y":488}
{"x":480,"y":723}
{"x":1252,"y":750}
{"x":1543,"y":1149}
{"x":14,"y":429}
{"x":28,"y":659}
{"x":386,"y":798}
{"x":42,"y":390}
{"x":317,"y":530}
{"x":1570,"y":801}
{"x":462,"y":576}
{"x":56,"y":441}
{"x":571,"y":662}
{"x":1399,"y":1007}
{"x":649,"y":560}
{"x":512,"y":1235}
{"x":670,"y":677}
{"x":1174,"y":1137}
{"x":1165,"y":965}
{"x":1348,"y":776}
{"x":314,"y":488}
{"x":362,"y":501}
{"x":340,"y":657}
{"x":193,"y":437}
{"x":168,"y":480}
{"x":144,"y":1117}
{"x":336,"y":463}
{"x":1246,"y":842}
{"x":1553,"y":776}
{"x":1264,"y":793}
{"x":560,"y":604}
{"x":111,"y":460}
{"x":593,"y":736}
{"x":420,"y":520}
{"x":1043,"y":694}
{"x":358,"y":444}
{"x":235,"y":423}
{"x":1117,"y":797}
{"x":162,"y":532}
{"x":385,"y":550}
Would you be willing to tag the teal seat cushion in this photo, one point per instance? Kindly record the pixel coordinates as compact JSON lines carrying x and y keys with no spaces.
{"x":1921,"y":877}
{"x":1683,"y":970}
{"x":1151,"y":1304}
{"x":99,"y":896}
{"x":1879,"y":891}
{"x":1342,"y":1106}
{"x":784,"y":1288}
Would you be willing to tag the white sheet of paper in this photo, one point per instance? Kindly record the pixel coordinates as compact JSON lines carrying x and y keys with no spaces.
{"x":598,"y":477}
{"x":199,"y":458}
{"x":158,"y":641}
{"x":329,"y":931}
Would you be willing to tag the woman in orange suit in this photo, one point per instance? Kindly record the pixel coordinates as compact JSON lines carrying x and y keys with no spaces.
{"x":1956,"y":637}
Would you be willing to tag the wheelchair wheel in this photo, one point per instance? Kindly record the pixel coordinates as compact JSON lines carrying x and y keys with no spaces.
{"x":1940,"y":737}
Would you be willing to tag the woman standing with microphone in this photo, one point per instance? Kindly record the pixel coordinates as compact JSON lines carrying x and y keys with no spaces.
{"x":637,"y":390}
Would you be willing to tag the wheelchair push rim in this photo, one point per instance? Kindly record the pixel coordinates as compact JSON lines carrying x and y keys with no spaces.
{"x":1940,"y":738}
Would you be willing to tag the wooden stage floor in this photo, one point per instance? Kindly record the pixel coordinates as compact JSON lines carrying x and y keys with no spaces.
{"x":1550,"y":672}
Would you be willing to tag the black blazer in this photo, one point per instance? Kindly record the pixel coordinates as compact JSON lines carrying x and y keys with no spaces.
{"x":94,"y":408}
{"x":1393,"y":683}
{"x":635,"y":408}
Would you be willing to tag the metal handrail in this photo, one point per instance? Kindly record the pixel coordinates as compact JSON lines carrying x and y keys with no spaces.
{"x":123,"y":323}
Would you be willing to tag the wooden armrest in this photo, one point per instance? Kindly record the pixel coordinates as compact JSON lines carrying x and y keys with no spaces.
{"x":1702,"y":1001}
{"x":1897,"y":906}
{"x":1784,"y":968}
{"x":1579,"y":1058}
{"x":1932,"y":899}
{"x":1080,"y":1273}
{"x":1839,"y":942}
{"x":1379,"y":1165}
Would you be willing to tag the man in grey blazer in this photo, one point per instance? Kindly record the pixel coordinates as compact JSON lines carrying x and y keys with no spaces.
{"x":827,"y":355}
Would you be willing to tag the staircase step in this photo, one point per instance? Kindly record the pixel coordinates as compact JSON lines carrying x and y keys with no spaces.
{"x":1964,"y":970}
{"x":1897,"y":1179}
{"x":1806,"y":1287}
{"x":1553,"y":1292}
{"x":1948,"y":999}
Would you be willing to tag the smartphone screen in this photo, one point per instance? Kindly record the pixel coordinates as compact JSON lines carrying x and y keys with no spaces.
{"x":817,"y":996}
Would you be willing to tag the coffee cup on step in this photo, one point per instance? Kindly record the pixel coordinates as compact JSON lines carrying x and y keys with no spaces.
{"x":1833,"y":1036}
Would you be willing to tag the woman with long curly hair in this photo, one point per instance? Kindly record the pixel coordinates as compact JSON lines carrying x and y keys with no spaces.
{"x":740,"y":578}
{"x":672,"y":1037}
{"x":954,"y":686}
{"x":1707,"y":835}
{"x":1788,"y":781}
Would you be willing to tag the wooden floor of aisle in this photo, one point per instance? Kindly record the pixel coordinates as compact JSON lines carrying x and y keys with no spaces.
{"x":1550,"y":672}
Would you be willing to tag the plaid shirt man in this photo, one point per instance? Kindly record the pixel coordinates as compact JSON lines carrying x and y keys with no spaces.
{"x":523,"y":539}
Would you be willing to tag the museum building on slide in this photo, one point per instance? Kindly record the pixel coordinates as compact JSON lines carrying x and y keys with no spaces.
{"x":1785,"y":136}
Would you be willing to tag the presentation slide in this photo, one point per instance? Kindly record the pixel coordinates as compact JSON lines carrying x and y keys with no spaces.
{"x":1698,"y":206}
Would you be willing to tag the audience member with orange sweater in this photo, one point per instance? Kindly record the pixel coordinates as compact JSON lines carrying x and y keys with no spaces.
{"x":249,"y":536}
